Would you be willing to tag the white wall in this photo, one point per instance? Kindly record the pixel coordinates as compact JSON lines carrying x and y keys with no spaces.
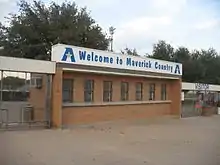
{"x":26,"y":65}
{"x":192,"y":86}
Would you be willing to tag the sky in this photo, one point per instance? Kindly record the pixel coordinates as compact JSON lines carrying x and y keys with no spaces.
{"x":139,"y":24}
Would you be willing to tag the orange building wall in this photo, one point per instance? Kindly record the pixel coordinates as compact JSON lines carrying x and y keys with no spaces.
{"x":84,"y":115}
{"x":70,"y":115}
{"x":88,"y":114}
{"x":79,"y":79}
{"x":37,"y":100}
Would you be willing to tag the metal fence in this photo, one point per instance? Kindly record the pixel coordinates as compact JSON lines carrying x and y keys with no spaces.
{"x":24,"y":100}
{"x":195,"y":100}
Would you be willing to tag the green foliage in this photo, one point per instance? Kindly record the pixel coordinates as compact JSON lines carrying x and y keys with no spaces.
{"x":128,"y":51}
{"x":37,"y":27}
{"x":163,"y":51}
{"x":198,"y":66}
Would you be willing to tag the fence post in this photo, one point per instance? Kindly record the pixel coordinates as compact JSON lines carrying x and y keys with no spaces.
{"x":47,"y":100}
{"x":1,"y":97}
{"x":1,"y":88}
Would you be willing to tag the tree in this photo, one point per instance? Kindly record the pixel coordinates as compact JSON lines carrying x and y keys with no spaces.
{"x":181,"y":54}
{"x":198,"y":65}
{"x":1,"y":38}
{"x":162,"y":51}
{"x":36,"y":28}
{"x":128,"y":51}
{"x":209,"y":59}
{"x":194,"y":71}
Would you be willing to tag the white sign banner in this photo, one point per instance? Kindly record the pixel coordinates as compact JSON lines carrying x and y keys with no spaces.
{"x":199,"y":86}
{"x":84,"y":56}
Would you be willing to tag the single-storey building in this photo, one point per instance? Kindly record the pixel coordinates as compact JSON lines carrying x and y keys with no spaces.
{"x":81,"y":85}
{"x":91,"y":85}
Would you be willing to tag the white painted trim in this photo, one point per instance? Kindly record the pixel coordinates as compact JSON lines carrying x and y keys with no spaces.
{"x":117,"y":73}
{"x":191,"y":86}
{"x":27,"y":65}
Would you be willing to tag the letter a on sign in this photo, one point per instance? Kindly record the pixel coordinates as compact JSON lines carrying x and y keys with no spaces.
{"x":68,"y":54}
{"x":177,"y":69}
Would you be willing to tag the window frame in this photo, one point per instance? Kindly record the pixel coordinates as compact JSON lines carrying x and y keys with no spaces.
{"x":124,"y":92}
{"x":139,"y":91}
{"x":152,"y":91}
{"x":107,"y":91}
{"x":70,"y":91}
{"x":89,"y":91}
{"x":163,"y":91}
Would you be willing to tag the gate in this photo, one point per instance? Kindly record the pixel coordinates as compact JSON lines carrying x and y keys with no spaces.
{"x":190,"y":108}
{"x":25,"y":92}
{"x":195,"y":101}
{"x":24,"y":100}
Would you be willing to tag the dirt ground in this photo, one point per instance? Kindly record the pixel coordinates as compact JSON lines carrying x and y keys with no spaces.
{"x":190,"y":141}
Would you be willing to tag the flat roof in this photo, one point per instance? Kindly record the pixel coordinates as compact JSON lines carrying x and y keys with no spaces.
{"x":27,"y":65}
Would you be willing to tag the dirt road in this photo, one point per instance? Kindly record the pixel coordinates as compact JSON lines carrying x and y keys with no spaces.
{"x":192,"y":141}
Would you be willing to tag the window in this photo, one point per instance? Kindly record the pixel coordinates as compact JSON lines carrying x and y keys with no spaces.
{"x":139,"y":89}
{"x":152,"y":92}
{"x":163,"y":92}
{"x":67,"y":90}
{"x":89,"y":91}
{"x":124,"y":91}
{"x":107,"y":91}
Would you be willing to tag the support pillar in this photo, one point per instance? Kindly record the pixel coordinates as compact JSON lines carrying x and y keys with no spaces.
{"x":176,"y":105}
{"x":48,"y":82}
{"x":57,"y":98}
{"x":1,"y":88}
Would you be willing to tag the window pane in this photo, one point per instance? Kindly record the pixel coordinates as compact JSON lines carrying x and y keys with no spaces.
{"x":107,"y":91}
{"x":67,"y":91}
{"x":88,"y":97}
{"x":67,"y":96}
{"x":67,"y":84}
{"x":107,"y":96}
{"x":152,"y":92}
{"x":124,"y":91}
{"x":163,"y":92}
{"x":139,"y":89}
{"x":107,"y":85}
{"x":88,"y":90}
{"x":152,"y":87}
{"x":89,"y":85}
{"x":138,"y":86}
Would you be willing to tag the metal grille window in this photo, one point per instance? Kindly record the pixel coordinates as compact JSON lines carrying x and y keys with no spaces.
{"x":163,"y":92}
{"x":152,"y":92}
{"x":89,"y":91}
{"x":67,"y":90}
{"x":139,"y":91}
{"x":124,"y":91}
{"x":107,"y":91}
